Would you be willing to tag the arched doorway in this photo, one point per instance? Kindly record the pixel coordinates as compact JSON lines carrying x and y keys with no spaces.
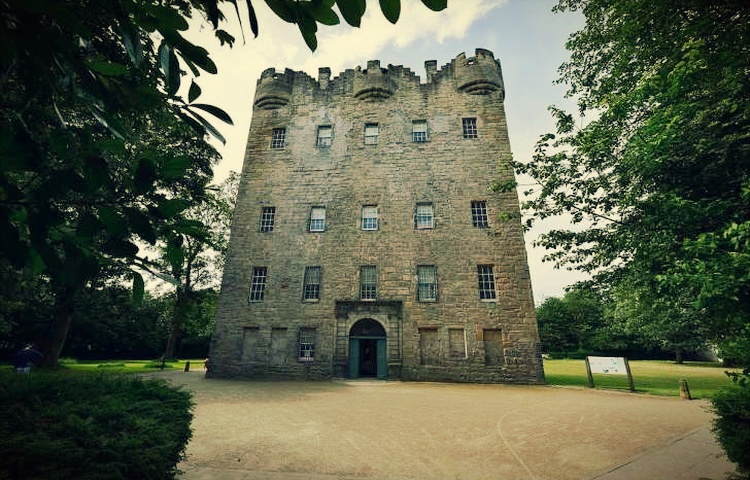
{"x":367,"y":350}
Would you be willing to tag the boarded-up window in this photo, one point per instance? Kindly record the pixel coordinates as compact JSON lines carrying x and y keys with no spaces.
{"x":250,"y":344}
{"x":429,"y":346}
{"x":279,"y":346}
{"x":493,"y":346}
{"x":457,"y":341}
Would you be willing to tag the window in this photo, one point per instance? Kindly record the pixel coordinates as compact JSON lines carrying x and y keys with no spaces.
{"x":258,"y":284}
{"x":419,"y":131}
{"x":311,"y":284}
{"x":479,"y":214}
{"x":457,"y":342}
{"x":426,"y":283}
{"x":469,"y":127}
{"x":368,"y":282}
{"x":486,"y":282}
{"x":267,"y":216}
{"x":278,"y":135}
{"x":306,"y":344}
{"x":424,"y":218}
{"x":317,"y":219}
{"x":370,"y":217}
{"x":325,"y":133}
{"x":371,"y":134}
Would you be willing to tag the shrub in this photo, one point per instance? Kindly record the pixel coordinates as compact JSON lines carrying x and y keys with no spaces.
{"x":85,"y":427}
{"x":732,"y":423}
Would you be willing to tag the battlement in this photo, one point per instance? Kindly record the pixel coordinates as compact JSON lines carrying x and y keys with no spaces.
{"x":477,"y":75}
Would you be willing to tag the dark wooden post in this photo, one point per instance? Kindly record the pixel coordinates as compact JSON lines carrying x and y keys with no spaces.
{"x":588,"y":373}
{"x":630,"y":376}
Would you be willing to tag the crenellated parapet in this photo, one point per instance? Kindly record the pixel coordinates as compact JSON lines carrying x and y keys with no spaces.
{"x":477,"y":75}
{"x":274,"y":90}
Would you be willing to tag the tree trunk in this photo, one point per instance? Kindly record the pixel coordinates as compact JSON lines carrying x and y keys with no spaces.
{"x":678,"y":351}
{"x":63,"y":318}
{"x":176,"y":330}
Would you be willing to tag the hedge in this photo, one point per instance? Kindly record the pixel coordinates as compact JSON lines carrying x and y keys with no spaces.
{"x":101,"y":426}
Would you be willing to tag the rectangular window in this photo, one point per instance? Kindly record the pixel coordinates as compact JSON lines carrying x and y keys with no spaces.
{"x":267,"y":217}
{"x":457,"y":342}
{"x":317,"y":219}
{"x":426,"y":283}
{"x":370,"y":217}
{"x":486,"y":279}
{"x":493,"y":346}
{"x":325,"y":135}
{"x":371,"y":134}
{"x":479,"y":214}
{"x":278,"y":136}
{"x":469,"y":127}
{"x":424,"y":218}
{"x":258,"y":284}
{"x":311,"y":284}
{"x":368,"y":282}
{"x":419,"y":131}
{"x":306,"y":344}
{"x":429,"y":346}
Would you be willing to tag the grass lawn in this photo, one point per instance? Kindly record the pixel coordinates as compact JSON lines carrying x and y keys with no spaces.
{"x":656,"y":377}
{"x":127,"y":366}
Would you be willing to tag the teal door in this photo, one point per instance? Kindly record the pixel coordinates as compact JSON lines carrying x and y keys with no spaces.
{"x":354,"y":358}
{"x":382,"y":360}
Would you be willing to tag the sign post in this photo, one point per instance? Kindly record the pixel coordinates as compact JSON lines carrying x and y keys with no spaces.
{"x":609,"y":366}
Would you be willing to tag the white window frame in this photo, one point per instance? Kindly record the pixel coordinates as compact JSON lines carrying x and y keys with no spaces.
{"x":306,"y":349}
{"x":486,"y":279}
{"x":258,"y":285}
{"x":325,"y":136}
{"x":479,"y":218}
{"x":267,"y":219}
{"x":370,"y":220}
{"x":424,"y":218}
{"x":469,"y":127}
{"x":311,"y":284}
{"x":278,"y":138}
{"x":368,"y":283}
{"x":372,"y":130}
{"x":317,"y":219}
{"x":419,"y":131}
{"x":427,"y":283}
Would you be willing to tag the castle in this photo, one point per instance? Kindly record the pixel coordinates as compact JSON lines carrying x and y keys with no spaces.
{"x":367,"y":240}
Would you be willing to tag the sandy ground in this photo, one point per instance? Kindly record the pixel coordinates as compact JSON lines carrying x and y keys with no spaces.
{"x":401,"y":430}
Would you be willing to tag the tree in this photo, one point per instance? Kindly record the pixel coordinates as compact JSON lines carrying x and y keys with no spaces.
{"x":81,"y":82}
{"x":657,"y":180}
{"x":572,"y":323}
{"x":196,"y":261}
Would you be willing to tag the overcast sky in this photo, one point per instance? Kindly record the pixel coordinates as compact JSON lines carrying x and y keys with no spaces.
{"x":524,"y":35}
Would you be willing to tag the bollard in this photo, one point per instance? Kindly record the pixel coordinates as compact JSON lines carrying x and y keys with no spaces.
{"x":685,"y":390}
{"x":187,"y":366}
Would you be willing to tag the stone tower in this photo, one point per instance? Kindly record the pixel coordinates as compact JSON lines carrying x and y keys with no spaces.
{"x":366,"y":241}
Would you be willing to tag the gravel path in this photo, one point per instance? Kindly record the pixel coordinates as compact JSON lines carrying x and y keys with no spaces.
{"x":399,"y":430}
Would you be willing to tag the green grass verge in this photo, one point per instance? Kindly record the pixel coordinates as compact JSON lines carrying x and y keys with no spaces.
{"x":655,"y":377}
{"x":126,"y":366}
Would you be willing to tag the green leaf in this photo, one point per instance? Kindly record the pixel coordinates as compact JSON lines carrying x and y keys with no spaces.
{"x":252,"y":17}
{"x":173,"y":206}
{"x":436,"y":5}
{"x":174,"y":254}
{"x":167,"y":18}
{"x":175,"y":167}
{"x":140,"y":223}
{"x":283,"y":10}
{"x":352,"y":11}
{"x":120,"y":248}
{"x":111,"y":220}
{"x":307,"y":28}
{"x":321,"y":13}
{"x":110,"y":69}
{"x":195,"y":92}
{"x":391,"y":9}
{"x":133,"y":45}
{"x":215,"y":111}
{"x":139,"y":288}
{"x":206,"y":125}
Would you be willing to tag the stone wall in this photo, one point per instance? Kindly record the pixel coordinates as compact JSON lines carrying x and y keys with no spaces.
{"x":458,"y":337}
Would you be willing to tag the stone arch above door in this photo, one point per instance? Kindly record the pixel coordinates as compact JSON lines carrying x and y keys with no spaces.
{"x":367,"y":327}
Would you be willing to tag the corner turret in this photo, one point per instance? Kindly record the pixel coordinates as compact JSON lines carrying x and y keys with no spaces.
{"x":478,"y":75}
{"x":273,"y":91}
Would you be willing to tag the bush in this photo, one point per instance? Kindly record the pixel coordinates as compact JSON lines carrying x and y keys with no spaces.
{"x":732,"y":423}
{"x":84,"y":427}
